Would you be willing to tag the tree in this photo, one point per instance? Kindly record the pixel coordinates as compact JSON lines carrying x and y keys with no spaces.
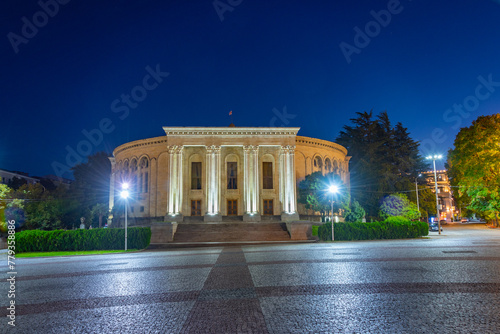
{"x":385,"y":159}
{"x":4,"y":193}
{"x":398,"y":205}
{"x":474,"y":166}
{"x":355,"y":213}
{"x":46,"y":210}
{"x":313,"y":192}
{"x":11,"y":208}
{"x":99,"y":210}
{"x":427,"y":201}
{"x":16,"y":182}
{"x":91,"y":185}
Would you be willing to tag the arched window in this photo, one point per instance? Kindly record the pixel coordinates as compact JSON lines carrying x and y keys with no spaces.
{"x":336,"y":167}
{"x":133,"y":176}
{"x":144,"y":175}
{"x":318,"y":164}
{"x":124,"y":172}
{"x":328,"y":165}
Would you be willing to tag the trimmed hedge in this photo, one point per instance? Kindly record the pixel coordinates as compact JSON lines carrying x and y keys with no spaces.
{"x":82,"y":240}
{"x":391,"y":228}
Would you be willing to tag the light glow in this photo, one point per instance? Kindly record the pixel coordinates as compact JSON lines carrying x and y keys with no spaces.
{"x":333,"y":189}
{"x":124,"y":194}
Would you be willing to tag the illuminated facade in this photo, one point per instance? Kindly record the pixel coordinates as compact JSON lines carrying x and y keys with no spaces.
{"x":445,"y":194}
{"x":213,"y":174}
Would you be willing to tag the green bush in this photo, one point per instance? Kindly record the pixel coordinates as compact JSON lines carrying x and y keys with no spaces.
{"x":391,"y":228}
{"x":80,"y":240}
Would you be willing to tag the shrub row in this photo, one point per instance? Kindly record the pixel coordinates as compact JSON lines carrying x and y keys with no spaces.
{"x":82,"y":240}
{"x":391,"y":228}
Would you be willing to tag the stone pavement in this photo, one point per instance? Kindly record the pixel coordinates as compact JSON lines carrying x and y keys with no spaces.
{"x":441,"y":284}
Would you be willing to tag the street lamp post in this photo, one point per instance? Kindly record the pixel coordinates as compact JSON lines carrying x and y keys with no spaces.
{"x":416,"y":189}
{"x":333,"y":190}
{"x":434,"y":158}
{"x":125,"y":194}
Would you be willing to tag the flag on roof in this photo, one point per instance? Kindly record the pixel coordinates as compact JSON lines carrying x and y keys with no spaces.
{"x":230,"y":113}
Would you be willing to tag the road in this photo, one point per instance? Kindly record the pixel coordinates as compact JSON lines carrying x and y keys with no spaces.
{"x":447,"y":283}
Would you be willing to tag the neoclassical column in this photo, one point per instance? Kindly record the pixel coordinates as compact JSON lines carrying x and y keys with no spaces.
{"x":112,"y":188}
{"x":213,"y":176}
{"x":175,"y":182}
{"x":153,"y":195}
{"x":282,"y":172}
{"x":287,"y":157}
{"x":251,"y":183}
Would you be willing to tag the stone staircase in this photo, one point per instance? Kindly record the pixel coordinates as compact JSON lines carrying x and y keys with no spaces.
{"x":231,"y":232}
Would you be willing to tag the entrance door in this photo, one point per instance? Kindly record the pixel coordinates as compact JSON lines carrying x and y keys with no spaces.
{"x":268,"y":207}
{"x":232,"y":207}
{"x":196,"y":208}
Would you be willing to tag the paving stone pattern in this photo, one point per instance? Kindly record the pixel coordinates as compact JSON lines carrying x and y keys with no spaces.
{"x":419,"y":286}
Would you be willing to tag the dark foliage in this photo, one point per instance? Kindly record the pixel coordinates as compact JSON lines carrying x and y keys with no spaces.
{"x":391,"y":228}
{"x":82,"y":240}
{"x":385,"y":159}
{"x":91,"y":185}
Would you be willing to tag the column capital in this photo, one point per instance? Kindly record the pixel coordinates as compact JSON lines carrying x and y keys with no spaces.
{"x":250,"y":148}
{"x":213,"y":148}
{"x":287,"y":148}
{"x":175,"y":148}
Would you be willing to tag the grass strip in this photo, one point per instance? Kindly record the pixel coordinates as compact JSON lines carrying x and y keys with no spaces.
{"x":66,"y":253}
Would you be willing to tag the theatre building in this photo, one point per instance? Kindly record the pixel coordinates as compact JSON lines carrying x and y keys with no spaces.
{"x":216,"y":174}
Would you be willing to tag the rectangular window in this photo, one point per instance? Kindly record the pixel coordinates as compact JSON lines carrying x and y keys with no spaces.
{"x":232,"y":175}
{"x":142,"y":209}
{"x":146,"y":182}
{"x":268,"y":207}
{"x":196,"y":175}
{"x":232,"y":207}
{"x":267,"y":175}
{"x":196,"y":208}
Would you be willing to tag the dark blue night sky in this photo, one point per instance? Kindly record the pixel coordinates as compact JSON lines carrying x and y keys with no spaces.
{"x":273,"y":63}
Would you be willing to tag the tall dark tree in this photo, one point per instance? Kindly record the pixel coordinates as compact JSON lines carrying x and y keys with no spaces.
{"x":91,"y":185}
{"x":385,"y":159}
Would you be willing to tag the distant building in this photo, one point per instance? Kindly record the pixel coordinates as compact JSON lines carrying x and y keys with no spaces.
{"x":445,"y":194}
{"x":7,"y":176}
{"x":58,"y":181}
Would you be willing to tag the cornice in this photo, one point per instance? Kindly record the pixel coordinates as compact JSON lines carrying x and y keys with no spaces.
{"x":140,"y":143}
{"x":232,"y":131}
{"x":320,"y":142}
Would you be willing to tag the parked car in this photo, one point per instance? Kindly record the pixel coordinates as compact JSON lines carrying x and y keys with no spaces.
{"x":443,"y":222}
{"x":433,"y":227}
{"x":464,"y":220}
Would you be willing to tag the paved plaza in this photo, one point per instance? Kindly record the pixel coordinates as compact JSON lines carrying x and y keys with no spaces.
{"x":440,"y":284}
